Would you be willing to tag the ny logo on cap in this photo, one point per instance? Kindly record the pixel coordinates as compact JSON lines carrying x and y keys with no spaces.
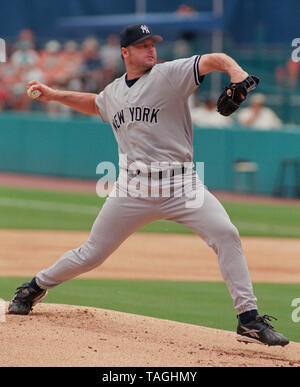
{"x":145,"y":29}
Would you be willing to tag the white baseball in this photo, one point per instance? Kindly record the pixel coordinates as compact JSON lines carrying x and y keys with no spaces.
{"x":33,"y":93}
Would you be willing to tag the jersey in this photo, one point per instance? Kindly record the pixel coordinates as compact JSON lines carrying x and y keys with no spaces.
{"x":151,"y":120}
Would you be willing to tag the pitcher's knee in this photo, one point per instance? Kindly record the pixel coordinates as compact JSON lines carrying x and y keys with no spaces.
{"x":89,"y":255}
{"x":229,"y":232}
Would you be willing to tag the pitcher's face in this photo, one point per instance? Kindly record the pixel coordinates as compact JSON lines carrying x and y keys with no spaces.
{"x":142,"y":55}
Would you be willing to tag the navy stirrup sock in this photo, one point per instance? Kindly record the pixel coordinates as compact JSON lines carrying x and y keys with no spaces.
{"x":248,"y":316}
{"x":34,"y":285}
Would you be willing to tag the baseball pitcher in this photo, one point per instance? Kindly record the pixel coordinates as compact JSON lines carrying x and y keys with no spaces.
{"x":148,"y":111}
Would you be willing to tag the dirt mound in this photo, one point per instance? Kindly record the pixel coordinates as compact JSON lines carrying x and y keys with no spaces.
{"x":64,"y":335}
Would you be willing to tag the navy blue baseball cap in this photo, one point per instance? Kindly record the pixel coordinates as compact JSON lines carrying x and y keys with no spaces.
{"x":136,"y":33}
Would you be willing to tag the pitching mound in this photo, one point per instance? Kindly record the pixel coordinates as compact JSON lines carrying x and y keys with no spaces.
{"x":64,"y":335}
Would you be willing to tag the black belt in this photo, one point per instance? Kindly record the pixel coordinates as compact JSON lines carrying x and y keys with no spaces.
{"x":159,"y":174}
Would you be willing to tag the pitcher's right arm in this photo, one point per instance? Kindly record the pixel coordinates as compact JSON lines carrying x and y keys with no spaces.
{"x":83,"y":102}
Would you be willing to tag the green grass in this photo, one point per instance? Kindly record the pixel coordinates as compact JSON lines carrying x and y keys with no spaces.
{"x":37,"y":209}
{"x":265,"y":220}
{"x":200,"y":303}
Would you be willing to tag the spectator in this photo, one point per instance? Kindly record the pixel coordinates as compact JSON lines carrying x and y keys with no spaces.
{"x":293,"y":73}
{"x":288,"y":75}
{"x":51,"y":63}
{"x":110,"y":56}
{"x":26,"y":35}
{"x":183,"y":46}
{"x":4,"y":94}
{"x":31,"y":73}
{"x":281,"y":76}
{"x":18,"y":99}
{"x":207,"y":116}
{"x":91,"y":54}
{"x":258,"y":116}
{"x":186,"y":9}
{"x":71,"y":58}
{"x":24,"y":55}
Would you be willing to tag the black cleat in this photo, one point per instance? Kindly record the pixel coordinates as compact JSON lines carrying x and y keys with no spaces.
{"x":25,"y":298}
{"x":260,"y":330}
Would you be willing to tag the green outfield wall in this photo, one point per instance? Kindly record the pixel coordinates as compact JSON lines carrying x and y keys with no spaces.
{"x":37,"y":144}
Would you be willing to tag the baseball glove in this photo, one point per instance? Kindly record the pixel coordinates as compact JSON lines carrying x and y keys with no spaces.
{"x":234,"y":94}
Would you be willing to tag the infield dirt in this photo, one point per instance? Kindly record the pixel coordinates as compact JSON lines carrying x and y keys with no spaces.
{"x":149,"y":256}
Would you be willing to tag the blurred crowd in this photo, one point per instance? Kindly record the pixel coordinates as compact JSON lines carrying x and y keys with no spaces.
{"x":287,"y":76}
{"x":255,"y":116}
{"x":92,"y":64}
{"x":88,"y":66}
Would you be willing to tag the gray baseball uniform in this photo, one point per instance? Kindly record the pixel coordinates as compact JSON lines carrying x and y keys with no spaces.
{"x":152,"y":124}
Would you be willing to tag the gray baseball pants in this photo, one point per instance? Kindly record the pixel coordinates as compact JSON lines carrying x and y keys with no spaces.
{"x":121,"y":216}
